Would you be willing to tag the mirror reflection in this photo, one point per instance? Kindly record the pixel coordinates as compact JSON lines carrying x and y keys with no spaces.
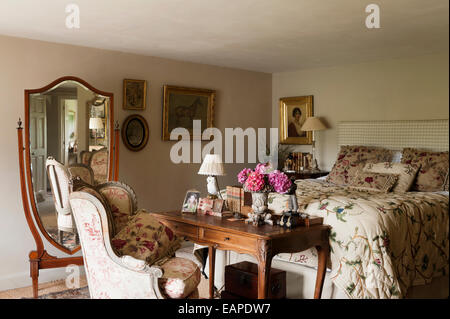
{"x":69,"y":137}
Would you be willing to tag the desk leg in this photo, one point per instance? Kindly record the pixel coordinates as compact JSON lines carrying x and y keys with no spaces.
{"x":212,"y":261}
{"x":323,"y":252}
{"x":264,"y":262}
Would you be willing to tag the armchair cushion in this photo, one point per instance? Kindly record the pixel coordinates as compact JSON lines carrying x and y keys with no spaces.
{"x":145,"y":238}
{"x":180,"y":277}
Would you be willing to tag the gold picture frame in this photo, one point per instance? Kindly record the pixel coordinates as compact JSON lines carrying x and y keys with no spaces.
{"x":134,"y":94}
{"x":293,"y":113}
{"x":182,"y":105}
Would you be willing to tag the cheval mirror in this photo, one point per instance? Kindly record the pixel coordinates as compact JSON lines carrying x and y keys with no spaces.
{"x":67,"y":121}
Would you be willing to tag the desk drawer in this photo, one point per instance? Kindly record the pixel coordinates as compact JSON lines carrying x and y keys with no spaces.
{"x":181,"y":229}
{"x":226,"y":239}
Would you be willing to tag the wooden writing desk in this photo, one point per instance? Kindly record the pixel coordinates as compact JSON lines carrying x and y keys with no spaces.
{"x":263,"y":242}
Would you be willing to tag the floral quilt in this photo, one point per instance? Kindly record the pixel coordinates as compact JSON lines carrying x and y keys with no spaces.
{"x":381,"y":243}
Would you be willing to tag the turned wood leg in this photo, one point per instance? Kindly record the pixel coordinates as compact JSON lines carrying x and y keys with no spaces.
{"x":264,"y":258}
{"x":323,"y":252}
{"x":34,"y":273}
{"x":212,"y":261}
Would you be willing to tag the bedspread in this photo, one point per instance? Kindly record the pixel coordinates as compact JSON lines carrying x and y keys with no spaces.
{"x":381,"y":243}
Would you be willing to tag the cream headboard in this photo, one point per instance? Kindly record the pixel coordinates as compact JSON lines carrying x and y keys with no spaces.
{"x":395,"y":135}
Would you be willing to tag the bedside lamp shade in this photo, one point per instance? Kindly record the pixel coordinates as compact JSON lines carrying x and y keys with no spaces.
{"x":313,"y":124}
{"x":95,"y":123}
{"x":212,"y":166}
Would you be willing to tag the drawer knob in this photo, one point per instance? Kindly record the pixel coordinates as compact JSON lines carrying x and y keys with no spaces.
{"x":227,"y":238}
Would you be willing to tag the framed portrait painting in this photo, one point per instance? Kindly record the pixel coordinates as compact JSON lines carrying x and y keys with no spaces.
{"x":184,"y":105}
{"x":293,"y":113}
{"x":135,"y":132}
{"x":134,"y":94}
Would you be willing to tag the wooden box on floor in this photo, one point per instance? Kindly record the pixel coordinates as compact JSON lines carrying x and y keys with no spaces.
{"x":241,"y":281}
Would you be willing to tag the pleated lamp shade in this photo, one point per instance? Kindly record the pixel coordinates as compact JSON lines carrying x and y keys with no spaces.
{"x":95,"y":123}
{"x":212,"y":165}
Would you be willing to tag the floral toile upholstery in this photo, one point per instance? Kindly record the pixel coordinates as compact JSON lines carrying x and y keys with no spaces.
{"x":99,"y":164}
{"x":85,"y":156}
{"x":122,"y":202}
{"x":113,"y":276}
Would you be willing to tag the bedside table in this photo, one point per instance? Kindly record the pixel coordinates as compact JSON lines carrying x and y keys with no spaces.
{"x":306,"y":174}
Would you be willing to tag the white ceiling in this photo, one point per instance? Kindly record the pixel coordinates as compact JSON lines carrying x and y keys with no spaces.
{"x":261,"y":35}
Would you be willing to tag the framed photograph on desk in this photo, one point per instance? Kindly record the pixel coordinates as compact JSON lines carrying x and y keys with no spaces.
{"x":191,"y":201}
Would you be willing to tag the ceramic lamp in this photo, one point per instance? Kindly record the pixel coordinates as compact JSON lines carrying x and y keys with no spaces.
{"x":212,"y":166}
{"x":313,"y":124}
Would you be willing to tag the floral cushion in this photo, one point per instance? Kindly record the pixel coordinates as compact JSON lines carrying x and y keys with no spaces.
{"x":180,"y":277}
{"x":369,"y":181}
{"x":406,"y":173}
{"x":433,"y":169}
{"x":121,"y":202}
{"x":145,"y":238}
{"x":353,"y":158}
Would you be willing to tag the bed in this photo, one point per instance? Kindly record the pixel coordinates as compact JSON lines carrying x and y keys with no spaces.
{"x":384,"y":244}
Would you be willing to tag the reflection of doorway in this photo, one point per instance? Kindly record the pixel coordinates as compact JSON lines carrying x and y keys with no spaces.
{"x":69,"y":129}
{"x":38,"y":145}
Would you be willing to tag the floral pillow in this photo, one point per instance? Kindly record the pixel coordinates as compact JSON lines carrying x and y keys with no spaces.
{"x":369,"y":181}
{"x":406,"y":173}
{"x":433,"y":170}
{"x":146,"y":238}
{"x":351,"y":159}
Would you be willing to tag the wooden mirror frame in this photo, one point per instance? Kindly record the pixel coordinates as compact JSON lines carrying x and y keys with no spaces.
{"x":39,"y":258}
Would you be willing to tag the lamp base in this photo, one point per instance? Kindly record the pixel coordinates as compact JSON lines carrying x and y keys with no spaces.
{"x":212,"y":196}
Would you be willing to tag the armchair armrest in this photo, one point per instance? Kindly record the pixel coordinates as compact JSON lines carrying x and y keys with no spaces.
{"x":141,"y":265}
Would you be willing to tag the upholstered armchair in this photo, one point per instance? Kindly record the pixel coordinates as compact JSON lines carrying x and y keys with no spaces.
{"x":119,"y":244}
{"x":61,"y":186}
{"x":82,"y":173}
{"x":99,"y":164}
{"x":85,"y":157}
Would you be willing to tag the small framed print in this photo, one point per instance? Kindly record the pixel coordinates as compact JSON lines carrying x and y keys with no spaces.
{"x":134,"y":94}
{"x":191,"y":201}
{"x":205,"y":205}
{"x":218,"y":205}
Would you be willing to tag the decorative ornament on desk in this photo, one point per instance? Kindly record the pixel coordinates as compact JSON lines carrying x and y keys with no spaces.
{"x":291,"y":217}
{"x":260,"y":181}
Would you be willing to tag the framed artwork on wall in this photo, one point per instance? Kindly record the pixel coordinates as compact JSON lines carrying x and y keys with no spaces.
{"x":182,"y":106}
{"x":293,"y":113}
{"x":134,"y":94}
{"x":135,"y":132}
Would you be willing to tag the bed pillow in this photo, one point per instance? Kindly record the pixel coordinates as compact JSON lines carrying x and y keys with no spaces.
{"x":145,"y":238}
{"x":406,"y":173}
{"x":370,"y":181}
{"x":352,"y":159}
{"x":433,"y":170}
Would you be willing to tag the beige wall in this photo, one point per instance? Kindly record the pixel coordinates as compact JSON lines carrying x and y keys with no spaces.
{"x":396,"y":89}
{"x":159,"y":184}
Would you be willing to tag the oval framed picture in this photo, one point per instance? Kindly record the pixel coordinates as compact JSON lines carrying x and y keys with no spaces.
{"x":135,"y":132}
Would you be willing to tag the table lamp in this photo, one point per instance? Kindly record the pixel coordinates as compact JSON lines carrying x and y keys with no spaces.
{"x":313,"y":124}
{"x":212,"y":166}
{"x":95,"y":123}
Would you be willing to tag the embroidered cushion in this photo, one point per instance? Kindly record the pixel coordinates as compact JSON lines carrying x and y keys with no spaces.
{"x":369,"y":181}
{"x":433,"y":169}
{"x":406,"y":173}
{"x":180,"y":277}
{"x":353,"y":158}
{"x":146,"y":238}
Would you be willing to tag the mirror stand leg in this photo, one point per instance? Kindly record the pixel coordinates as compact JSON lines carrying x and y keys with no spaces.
{"x":34,"y":273}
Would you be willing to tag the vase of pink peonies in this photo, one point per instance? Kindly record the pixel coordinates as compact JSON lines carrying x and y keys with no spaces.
{"x":260,"y":181}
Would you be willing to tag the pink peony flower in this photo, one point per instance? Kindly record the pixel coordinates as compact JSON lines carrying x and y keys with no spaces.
{"x":255,"y":182}
{"x":242,"y":176}
{"x":280,"y":182}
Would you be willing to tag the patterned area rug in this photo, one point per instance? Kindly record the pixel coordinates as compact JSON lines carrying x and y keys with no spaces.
{"x":80,"y":293}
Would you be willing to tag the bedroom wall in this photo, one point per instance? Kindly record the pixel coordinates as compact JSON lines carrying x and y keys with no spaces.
{"x":159,"y":184}
{"x":396,"y":89}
